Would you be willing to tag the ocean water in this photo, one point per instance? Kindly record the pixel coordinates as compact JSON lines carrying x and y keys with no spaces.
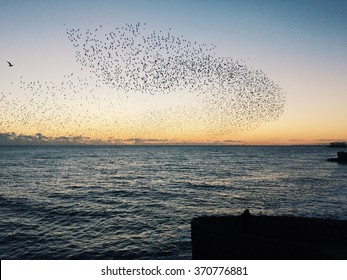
{"x":136,"y":202}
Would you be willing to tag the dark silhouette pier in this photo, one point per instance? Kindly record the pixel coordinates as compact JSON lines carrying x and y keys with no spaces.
{"x":341,"y":157}
{"x":249,"y":237}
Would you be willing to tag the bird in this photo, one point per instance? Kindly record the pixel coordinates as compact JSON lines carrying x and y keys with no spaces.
{"x":9,"y":64}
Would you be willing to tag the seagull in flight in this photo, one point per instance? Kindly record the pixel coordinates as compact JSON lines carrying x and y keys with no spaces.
{"x":9,"y":64}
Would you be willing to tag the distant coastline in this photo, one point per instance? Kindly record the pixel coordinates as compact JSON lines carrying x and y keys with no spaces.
{"x":38,"y":139}
{"x":155,"y":145}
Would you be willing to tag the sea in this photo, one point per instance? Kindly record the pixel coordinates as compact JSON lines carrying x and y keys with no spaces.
{"x":137,"y":202}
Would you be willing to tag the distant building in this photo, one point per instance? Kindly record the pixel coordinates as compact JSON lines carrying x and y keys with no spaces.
{"x":338,"y":145}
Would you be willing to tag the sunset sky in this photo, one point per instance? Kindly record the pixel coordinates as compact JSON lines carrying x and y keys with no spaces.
{"x":299,"y":45}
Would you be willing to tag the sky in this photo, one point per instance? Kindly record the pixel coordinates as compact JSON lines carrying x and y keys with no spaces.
{"x":286,"y":64}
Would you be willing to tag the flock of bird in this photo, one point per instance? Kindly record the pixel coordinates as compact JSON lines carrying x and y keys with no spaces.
{"x":49,"y":106}
{"x":129,"y":63}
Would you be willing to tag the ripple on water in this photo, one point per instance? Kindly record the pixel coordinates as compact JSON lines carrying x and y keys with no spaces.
{"x":137,"y":203}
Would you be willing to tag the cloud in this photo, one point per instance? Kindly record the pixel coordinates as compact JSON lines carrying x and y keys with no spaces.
{"x":330,"y":140}
{"x":6,"y":138}
{"x":233,"y":141}
{"x":145,"y":141}
{"x":12,"y":138}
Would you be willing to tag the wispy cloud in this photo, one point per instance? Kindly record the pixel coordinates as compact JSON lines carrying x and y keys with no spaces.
{"x":149,"y":141}
{"x":330,"y":140}
{"x":232,"y":142}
